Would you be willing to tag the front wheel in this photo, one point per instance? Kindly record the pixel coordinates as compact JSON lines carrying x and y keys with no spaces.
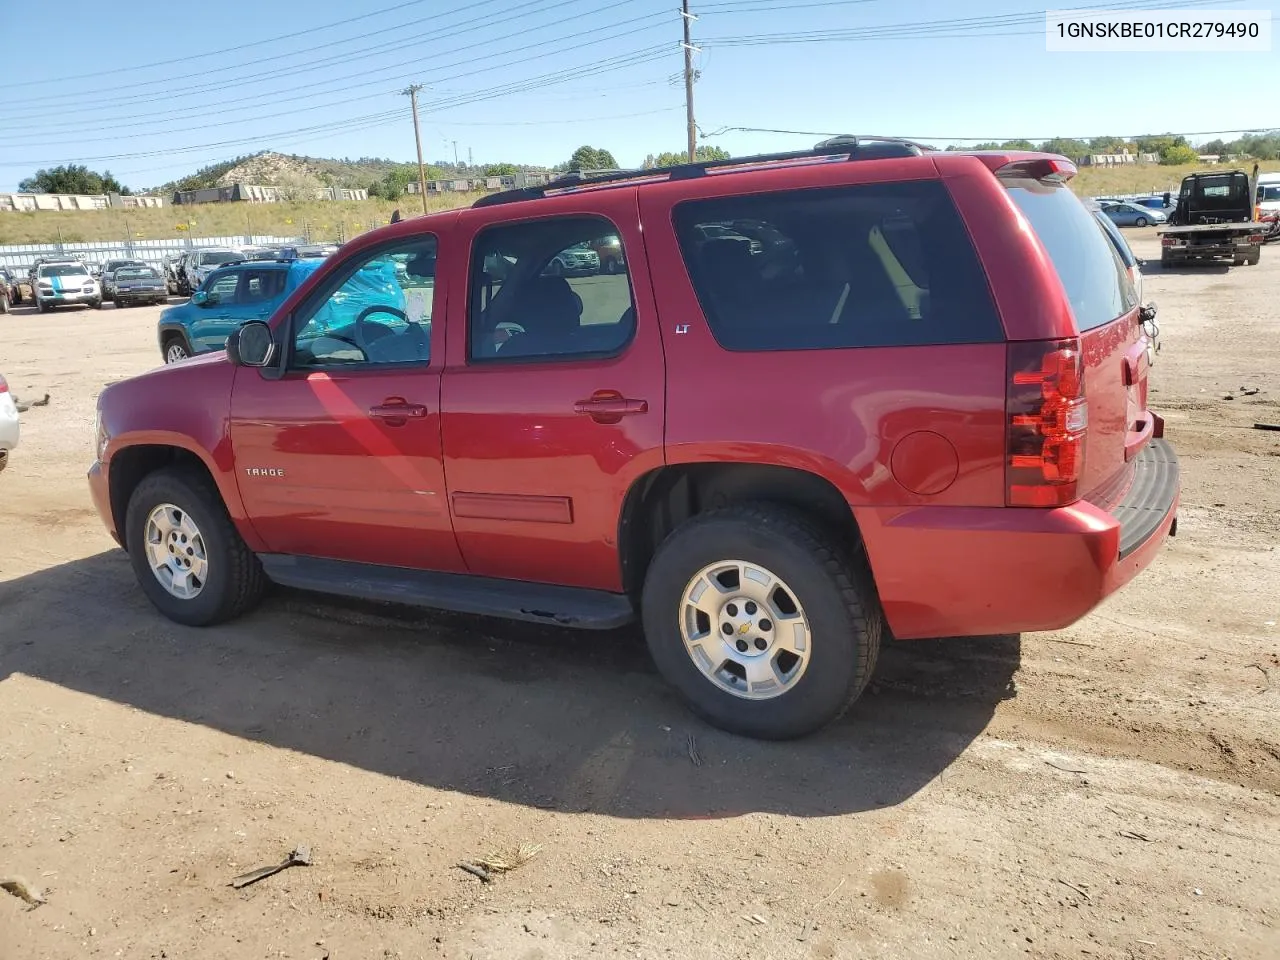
{"x":767,"y":627}
{"x":175,"y":350}
{"x":1140,"y":222}
{"x":96,"y":304}
{"x":187,"y":555}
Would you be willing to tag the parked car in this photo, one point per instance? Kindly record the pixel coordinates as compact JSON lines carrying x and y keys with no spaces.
{"x":12,"y":283}
{"x":63,"y":283}
{"x":169,"y":267}
{"x":135,"y":285}
{"x":9,"y":426}
{"x":229,"y":296}
{"x":196,"y":265}
{"x":1132,"y":265}
{"x":9,"y":292}
{"x":579,"y":260}
{"x":107,"y":277}
{"x":1126,"y":214}
{"x":935,"y":424}
{"x":609,"y":251}
{"x":1267,"y":204}
{"x":1164,"y":202}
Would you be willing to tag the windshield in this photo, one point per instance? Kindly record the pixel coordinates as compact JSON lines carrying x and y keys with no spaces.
{"x":64,"y":270}
{"x":136,"y":273}
{"x":219,"y":256}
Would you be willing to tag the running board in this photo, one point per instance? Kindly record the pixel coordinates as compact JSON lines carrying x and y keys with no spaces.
{"x":461,"y":593}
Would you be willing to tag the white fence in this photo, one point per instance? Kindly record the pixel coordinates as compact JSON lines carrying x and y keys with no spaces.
{"x":19,"y":257}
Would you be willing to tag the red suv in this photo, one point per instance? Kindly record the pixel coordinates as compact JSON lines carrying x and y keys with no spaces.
{"x":863,"y":390}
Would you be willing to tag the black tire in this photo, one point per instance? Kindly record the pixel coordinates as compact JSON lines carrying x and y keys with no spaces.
{"x":96,"y":304}
{"x":1253,"y":261}
{"x":175,"y":341}
{"x":4,"y":303}
{"x":42,"y":306}
{"x":1141,"y":222}
{"x":235,"y":582}
{"x":832,"y":583}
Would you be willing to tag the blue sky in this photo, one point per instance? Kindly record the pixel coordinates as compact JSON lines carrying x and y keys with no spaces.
{"x":530,"y":80}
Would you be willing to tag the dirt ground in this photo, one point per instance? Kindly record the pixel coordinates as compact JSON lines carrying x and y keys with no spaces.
{"x":1107,"y":791}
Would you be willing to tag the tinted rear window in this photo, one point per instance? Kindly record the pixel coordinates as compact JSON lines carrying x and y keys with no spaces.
{"x":858,"y":266}
{"x":1088,"y":265}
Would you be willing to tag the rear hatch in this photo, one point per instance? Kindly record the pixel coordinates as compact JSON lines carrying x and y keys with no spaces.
{"x":1112,"y":342}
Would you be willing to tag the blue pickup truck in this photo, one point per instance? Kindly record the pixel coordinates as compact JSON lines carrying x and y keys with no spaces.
{"x":230,"y":296}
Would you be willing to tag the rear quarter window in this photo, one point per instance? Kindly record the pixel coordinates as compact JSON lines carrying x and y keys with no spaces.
{"x":1087,"y":263}
{"x":856,"y":266}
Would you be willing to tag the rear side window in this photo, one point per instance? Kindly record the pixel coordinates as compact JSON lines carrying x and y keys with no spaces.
{"x":859,"y":266}
{"x":1091,"y":271}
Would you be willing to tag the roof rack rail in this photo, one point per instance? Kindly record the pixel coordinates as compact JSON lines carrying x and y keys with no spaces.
{"x":846,"y":146}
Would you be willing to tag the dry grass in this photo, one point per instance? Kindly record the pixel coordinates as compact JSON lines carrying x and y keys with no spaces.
{"x":1149,"y":178}
{"x":326,"y":221}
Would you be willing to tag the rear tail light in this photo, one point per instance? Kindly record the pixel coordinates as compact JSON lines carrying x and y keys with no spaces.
{"x":1256,"y":238}
{"x":1171,"y":242}
{"x":1047,"y":418}
{"x":4,"y":385}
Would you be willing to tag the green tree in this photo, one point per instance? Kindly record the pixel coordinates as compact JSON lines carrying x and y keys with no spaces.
{"x":1178,"y":154}
{"x":1157,"y":144}
{"x":1217,"y":147}
{"x":592,"y":158}
{"x":1071,"y":149}
{"x":375,"y":188}
{"x":500,"y":170}
{"x":702,"y":154}
{"x":1017,"y":145}
{"x":72,"y":179}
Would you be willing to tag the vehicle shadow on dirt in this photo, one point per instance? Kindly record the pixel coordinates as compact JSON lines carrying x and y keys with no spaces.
{"x":543,"y":717}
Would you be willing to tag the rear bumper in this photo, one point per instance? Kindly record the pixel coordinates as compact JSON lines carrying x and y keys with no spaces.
{"x":1222,"y":248}
{"x":972,"y":571}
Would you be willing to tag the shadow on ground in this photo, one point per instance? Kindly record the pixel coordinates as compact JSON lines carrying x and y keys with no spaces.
{"x":547,"y":718}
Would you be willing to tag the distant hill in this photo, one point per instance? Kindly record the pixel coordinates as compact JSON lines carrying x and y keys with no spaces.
{"x":269,"y":168}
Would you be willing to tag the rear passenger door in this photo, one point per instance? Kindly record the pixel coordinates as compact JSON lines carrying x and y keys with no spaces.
{"x":554,"y":393}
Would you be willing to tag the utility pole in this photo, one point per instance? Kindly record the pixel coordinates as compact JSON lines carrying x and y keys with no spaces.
{"x":687,"y":17}
{"x":470,"y":163}
{"x":455,"y":153}
{"x":411,"y":92}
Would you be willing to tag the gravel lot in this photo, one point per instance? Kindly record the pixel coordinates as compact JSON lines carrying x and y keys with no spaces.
{"x":1107,"y":791}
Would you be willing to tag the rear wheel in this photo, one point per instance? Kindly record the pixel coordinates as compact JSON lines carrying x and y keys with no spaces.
{"x":4,"y":303}
{"x":1141,"y":222}
{"x":187,"y":555}
{"x":42,"y":306}
{"x":767,"y":627}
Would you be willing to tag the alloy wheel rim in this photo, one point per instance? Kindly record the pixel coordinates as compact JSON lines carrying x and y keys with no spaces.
{"x":745,"y":630}
{"x":176,"y":551}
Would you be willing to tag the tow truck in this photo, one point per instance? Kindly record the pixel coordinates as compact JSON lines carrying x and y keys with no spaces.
{"x":1213,"y":220}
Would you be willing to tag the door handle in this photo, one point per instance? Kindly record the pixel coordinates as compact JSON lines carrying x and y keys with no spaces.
{"x":610,"y":407}
{"x":396,"y":411}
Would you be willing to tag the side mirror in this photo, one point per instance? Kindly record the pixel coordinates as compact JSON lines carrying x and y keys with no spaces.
{"x":252,"y":345}
{"x":1147,"y":312}
{"x":200,"y":298}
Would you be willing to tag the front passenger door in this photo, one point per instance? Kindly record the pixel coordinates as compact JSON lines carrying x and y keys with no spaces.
{"x":212,"y":324}
{"x":338,"y":456}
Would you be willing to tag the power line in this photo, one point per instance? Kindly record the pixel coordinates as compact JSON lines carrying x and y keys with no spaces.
{"x":309,"y":91}
{"x":214,"y":53}
{"x":523,"y":57}
{"x":600,"y":66}
{"x":467,"y":26}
